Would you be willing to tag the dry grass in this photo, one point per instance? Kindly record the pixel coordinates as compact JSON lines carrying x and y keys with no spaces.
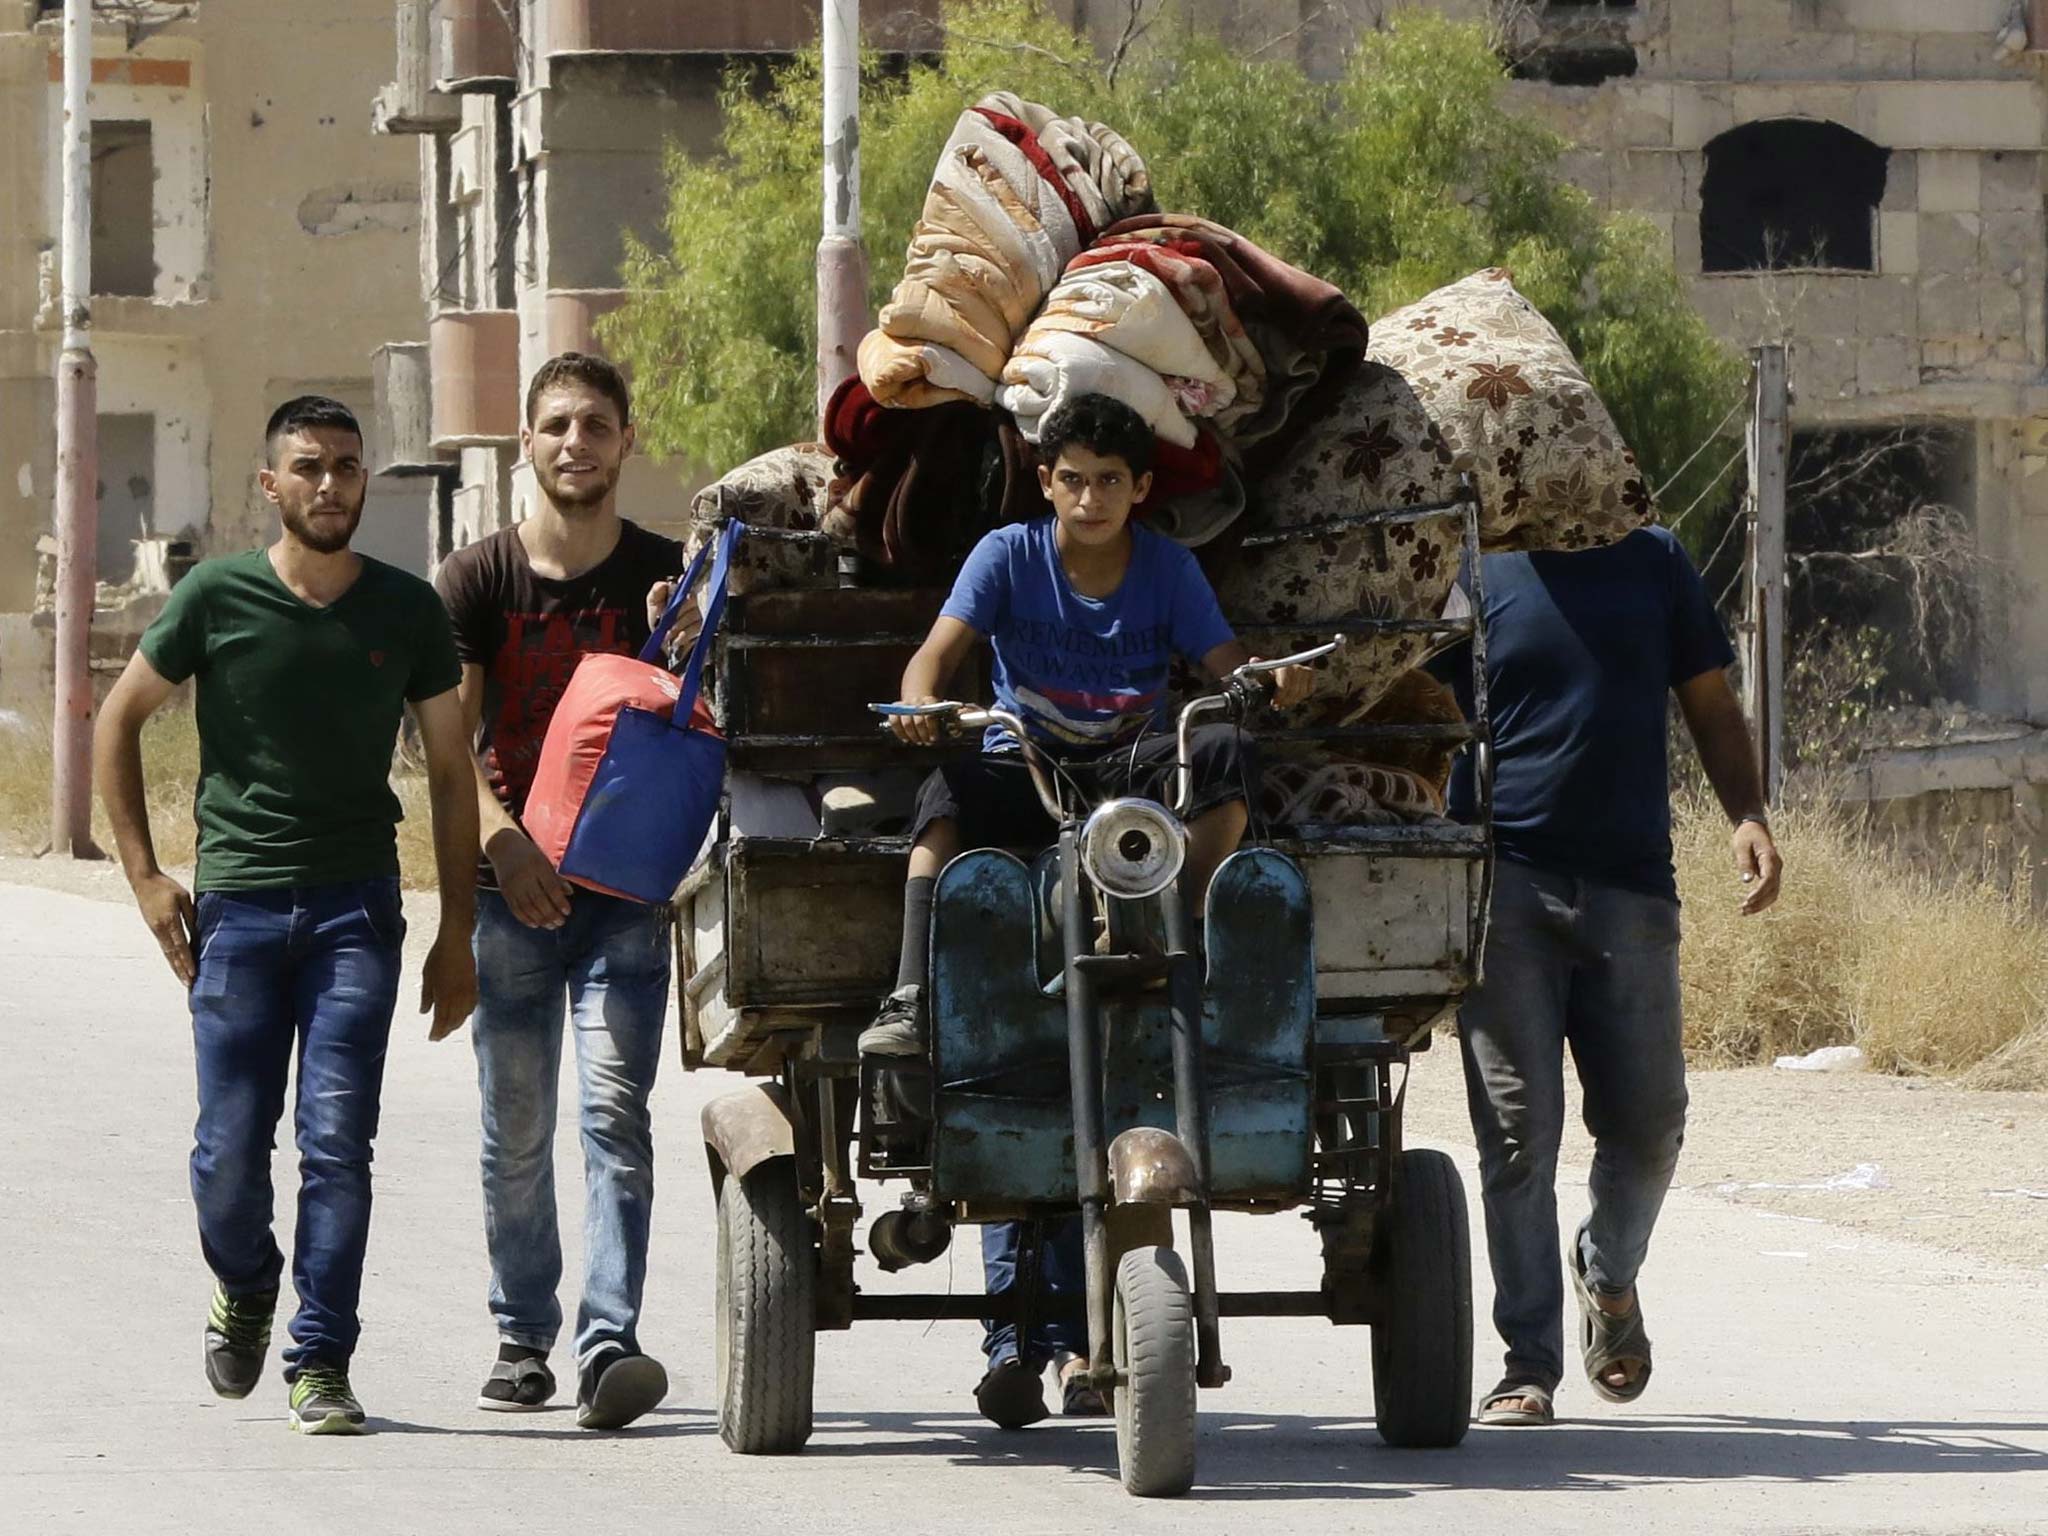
{"x":1928,"y":973}
{"x":170,"y":769}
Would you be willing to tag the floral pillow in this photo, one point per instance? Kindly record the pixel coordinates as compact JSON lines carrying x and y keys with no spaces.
{"x":1470,"y":380}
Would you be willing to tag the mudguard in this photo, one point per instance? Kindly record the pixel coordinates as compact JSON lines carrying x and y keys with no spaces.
{"x":1150,"y":1166}
{"x":746,"y":1128}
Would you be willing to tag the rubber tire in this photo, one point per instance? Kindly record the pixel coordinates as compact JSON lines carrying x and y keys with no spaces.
{"x":1152,"y":1326}
{"x":1422,"y":1352}
{"x":766,"y":1328}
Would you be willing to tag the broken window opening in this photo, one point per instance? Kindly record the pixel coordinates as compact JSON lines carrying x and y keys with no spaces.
{"x":127,"y":492}
{"x":1574,"y":43}
{"x":1881,"y":542}
{"x":123,"y":209}
{"x":1789,"y":194}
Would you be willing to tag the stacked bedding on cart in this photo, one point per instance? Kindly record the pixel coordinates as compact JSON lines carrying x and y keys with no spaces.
{"x":1314,"y":462}
{"x":1470,"y":385}
{"x":1018,"y":193}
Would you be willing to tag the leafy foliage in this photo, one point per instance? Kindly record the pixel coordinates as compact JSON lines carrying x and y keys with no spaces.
{"x":1408,"y":173}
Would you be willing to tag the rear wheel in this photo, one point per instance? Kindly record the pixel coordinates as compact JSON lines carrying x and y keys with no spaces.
{"x":767,"y":1311}
{"x":1154,"y":1342}
{"x":1422,"y":1347}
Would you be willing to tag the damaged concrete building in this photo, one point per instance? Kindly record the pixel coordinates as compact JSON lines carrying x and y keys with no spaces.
{"x":542,"y":129}
{"x":246,"y":232}
{"x":1860,"y":178}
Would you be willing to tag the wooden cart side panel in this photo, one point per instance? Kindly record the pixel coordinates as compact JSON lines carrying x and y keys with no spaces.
{"x":812,"y":925}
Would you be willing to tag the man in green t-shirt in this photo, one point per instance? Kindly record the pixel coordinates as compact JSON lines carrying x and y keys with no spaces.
{"x":303,"y":657}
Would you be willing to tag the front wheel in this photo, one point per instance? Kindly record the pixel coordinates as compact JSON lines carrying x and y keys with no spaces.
{"x":1154,"y":1343}
{"x":767,"y":1312}
{"x":1422,"y":1345}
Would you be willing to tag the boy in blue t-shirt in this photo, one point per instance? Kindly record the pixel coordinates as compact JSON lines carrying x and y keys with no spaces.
{"x":1085,"y":612}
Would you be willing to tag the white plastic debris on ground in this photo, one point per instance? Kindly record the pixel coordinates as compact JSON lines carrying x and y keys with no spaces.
{"x":1863,"y":1176}
{"x":1829,"y":1058}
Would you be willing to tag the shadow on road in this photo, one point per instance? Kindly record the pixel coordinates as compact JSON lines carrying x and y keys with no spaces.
{"x":1296,"y":1456}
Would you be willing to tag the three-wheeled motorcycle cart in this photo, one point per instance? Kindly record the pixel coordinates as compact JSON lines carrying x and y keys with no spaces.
{"x":1090,"y":1051}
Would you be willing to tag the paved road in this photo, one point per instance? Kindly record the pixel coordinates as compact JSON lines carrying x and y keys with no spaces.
{"x":1809,"y":1379}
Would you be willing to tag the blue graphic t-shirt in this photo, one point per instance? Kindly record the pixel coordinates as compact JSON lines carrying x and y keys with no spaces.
{"x":1083,"y":672}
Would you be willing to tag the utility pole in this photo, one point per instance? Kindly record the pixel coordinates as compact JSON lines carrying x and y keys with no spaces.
{"x":77,"y":509}
{"x":842,"y":264}
{"x":1768,"y":446}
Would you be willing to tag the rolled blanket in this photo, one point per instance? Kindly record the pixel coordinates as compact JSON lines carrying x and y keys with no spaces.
{"x":1095,"y":161}
{"x":1125,"y":307}
{"x":1051,"y":367}
{"x":919,"y":374}
{"x":1046,"y":196}
{"x":940,"y":301}
{"x":1309,"y":335}
{"x":1198,"y":288}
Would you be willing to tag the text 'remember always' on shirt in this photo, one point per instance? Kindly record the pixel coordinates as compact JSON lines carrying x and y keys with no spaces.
{"x":1084,"y":673}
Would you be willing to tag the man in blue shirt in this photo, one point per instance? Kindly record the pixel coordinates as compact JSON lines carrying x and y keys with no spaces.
{"x":1581,"y":652}
{"x":1085,"y":611}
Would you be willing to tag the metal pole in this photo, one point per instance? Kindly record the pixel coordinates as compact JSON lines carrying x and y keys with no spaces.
{"x":1768,"y":445}
{"x":77,"y":509}
{"x":842,"y":263}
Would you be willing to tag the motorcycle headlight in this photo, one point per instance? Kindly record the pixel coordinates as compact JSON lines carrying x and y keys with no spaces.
{"x":1132,"y":848}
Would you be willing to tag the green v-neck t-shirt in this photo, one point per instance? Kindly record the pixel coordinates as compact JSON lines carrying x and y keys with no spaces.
{"x":298,"y":710}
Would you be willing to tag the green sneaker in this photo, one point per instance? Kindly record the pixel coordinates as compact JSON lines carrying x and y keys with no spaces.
{"x":322,"y":1403}
{"x":237,"y":1339}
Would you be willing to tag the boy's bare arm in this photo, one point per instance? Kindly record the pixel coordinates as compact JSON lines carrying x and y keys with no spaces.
{"x":1290,"y":684}
{"x":931,"y":669}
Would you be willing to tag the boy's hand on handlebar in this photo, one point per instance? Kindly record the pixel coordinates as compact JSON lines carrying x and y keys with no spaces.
{"x":918,"y":730}
{"x":1290,"y":685}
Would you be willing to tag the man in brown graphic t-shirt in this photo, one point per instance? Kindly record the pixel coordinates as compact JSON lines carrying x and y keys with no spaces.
{"x":528,"y":604}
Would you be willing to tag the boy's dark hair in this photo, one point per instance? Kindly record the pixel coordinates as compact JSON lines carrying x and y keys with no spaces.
{"x":1101,"y":424}
{"x":598,"y":373}
{"x":302,"y":411}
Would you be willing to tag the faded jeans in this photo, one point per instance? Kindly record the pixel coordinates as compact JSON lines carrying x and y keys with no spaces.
{"x":308,"y":972}
{"x":609,"y":963}
{"x":1571,"y":961}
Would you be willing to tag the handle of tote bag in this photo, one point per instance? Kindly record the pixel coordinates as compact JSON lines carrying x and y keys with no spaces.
{"x":693,"y":670}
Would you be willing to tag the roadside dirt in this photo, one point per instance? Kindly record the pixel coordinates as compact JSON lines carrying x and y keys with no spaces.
{"x":1962,"y":1171}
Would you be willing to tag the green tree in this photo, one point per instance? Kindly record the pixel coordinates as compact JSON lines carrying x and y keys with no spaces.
{"x":1409,"y":172}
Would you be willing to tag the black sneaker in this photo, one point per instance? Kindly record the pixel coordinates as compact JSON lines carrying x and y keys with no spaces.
{"x":900,"y":1028}
{"x":1012,"y":1394}
{"x":617,"y":1387}
{"x":322,"y":1403}
{"x":237,"y":1339}
{"x":520,"y":1382}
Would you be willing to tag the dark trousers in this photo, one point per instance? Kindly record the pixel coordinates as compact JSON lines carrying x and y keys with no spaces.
{"x":1571,"y":962}
{"x":1062,"y":1271}
{"x":309,"y":973}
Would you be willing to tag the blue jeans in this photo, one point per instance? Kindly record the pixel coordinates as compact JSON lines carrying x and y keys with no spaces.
{"x":312,"y":972}
{"x":1571,"y":961}
{"x":1062,"y":1271}
{"x":609,"y":962}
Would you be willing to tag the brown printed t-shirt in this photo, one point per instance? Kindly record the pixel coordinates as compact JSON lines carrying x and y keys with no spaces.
{"x":527,"y":633}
